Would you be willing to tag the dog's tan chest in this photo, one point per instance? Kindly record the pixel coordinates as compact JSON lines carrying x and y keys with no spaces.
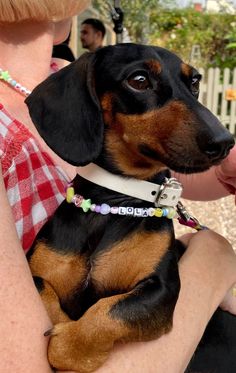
{"x":129,"y":261}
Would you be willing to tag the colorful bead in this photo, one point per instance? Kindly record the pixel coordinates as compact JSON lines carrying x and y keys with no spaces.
{"x":165,"y":212}
{"x":70,"y":192}
{"x":92,"y":207}
{"x":97,"y":208}
{"x":114,"y":210}
{"x":5,"y":76}
{"x":86,"y":204}
{"x":171,"y":214}
{"x":12,"y":82}
{"x":105,"y":209}
{"x":77,"y":200}
{"x":158,"y":212}
{"x":151,"y":211}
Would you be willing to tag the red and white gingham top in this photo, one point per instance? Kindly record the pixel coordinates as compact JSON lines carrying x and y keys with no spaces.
{"x":35,"y":185}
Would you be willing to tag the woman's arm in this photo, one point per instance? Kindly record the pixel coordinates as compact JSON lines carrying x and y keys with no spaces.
{"x":23,"y":317}
{"x":207,"y":271}
{"x":204,"y":186}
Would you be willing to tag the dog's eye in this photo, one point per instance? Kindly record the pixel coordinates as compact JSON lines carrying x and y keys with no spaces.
{"x":139,"y":82}
{"x":195,"y":84}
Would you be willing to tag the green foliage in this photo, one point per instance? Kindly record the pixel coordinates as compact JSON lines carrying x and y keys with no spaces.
{"x":179,"y":30}
{"x":231,"y":36}
{"x":148,"y":21}
{"x":136,"y":16}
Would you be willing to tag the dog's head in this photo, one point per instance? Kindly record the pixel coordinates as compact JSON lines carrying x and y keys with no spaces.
{"x":138,"y":104}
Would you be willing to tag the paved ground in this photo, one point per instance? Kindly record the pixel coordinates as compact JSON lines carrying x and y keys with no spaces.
{"x":218,"y":215}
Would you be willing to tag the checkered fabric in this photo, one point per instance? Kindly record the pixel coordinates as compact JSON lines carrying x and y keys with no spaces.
{"x":35,"y":186}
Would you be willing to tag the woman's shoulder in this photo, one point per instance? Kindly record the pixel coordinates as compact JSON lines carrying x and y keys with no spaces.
{"x":12,"y":135}
{"x":58,"y":63}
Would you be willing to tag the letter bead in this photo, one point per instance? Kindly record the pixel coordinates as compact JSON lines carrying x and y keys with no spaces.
{"x":130,"y":211}
{"x":122,"y":210}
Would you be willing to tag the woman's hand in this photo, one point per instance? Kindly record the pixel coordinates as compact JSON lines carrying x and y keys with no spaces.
{"x":226,"y":172}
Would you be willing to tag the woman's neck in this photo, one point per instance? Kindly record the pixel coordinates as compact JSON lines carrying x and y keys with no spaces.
{"x":26,"y":50}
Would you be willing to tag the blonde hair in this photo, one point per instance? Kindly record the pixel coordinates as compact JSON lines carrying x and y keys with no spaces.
{"x":39,"y":10}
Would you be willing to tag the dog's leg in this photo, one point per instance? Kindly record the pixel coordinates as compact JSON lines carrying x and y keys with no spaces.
{"x":49,"y":268}
{"x":51,"y":301}
{"x":139,"y":315}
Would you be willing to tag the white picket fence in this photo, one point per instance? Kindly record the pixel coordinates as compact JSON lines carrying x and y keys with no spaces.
{"x":214,"y":85}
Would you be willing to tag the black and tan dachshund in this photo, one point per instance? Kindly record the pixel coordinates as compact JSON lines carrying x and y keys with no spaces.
{"x":105,"y":277}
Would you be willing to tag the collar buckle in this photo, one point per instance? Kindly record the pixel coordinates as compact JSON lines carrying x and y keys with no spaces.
{"x":170,"y":193}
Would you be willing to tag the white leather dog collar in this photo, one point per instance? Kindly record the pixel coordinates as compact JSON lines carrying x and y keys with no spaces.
{"x":167,"y":194}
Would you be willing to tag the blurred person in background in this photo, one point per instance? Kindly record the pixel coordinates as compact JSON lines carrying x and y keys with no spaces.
{"x":92,"y":33}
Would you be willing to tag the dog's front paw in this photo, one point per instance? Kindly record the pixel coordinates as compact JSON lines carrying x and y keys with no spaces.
{"x":71,"y":347}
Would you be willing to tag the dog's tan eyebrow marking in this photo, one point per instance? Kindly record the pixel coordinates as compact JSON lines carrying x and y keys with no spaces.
{"x":106,"y":104}
{"x":154,"y":66}
{"x":106,"y":101}
{"x":186,"y":69}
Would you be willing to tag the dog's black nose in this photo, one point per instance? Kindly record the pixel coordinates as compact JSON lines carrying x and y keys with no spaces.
{"x":217,"y":149}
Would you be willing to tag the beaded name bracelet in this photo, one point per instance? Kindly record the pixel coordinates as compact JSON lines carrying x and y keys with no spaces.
{"x":104,"y":209}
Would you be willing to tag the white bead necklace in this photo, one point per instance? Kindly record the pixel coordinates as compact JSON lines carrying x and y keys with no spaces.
{"x":6,"y":77}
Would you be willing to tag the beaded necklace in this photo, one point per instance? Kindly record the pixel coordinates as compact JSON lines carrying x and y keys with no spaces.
{"x":6,"y":77}
{"x":104,"y":208}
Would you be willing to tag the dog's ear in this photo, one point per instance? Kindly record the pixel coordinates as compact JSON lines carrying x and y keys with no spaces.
{"x":67,"y":113}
